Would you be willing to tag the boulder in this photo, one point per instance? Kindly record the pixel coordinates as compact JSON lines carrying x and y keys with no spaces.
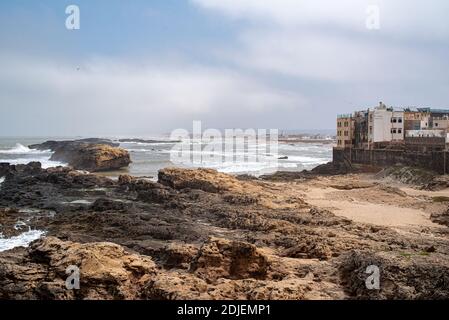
{"x":401,"y":277}
{"x":92,"y":157}
{"x":90,"y":154}
{"x":107,"y":271}
{"x":208,"y":180}
{"x":221,"y":258}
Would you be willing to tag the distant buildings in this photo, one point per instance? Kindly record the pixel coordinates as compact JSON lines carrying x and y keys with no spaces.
{"x":420,"y":129}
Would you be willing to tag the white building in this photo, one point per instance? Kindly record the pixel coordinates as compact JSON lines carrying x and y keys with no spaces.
{"x":387,"y":125}
{"x":397,"y":126}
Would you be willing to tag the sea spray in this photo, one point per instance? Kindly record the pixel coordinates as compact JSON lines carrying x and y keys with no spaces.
{"x":22,"y":240}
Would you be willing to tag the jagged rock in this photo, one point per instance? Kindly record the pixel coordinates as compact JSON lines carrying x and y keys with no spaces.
{"x":333,"y":168}
{"x":87,"y":154}
{"x":221,"y":258}
{"x":103,"y":204}
{"x":175,"y":255}
{"x":107,"y":271}
{"x":208,"y":180}
{"x":53,"y":145}
{"x":92,"y":157}
{"x":278,"y":247}
{"x":29,"y":185}
{"x":441,"y":218}
{"x":401,"y":276}
{"x":418,"y":177}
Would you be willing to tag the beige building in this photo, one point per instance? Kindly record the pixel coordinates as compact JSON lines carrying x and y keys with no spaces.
{"x":345,"y":130}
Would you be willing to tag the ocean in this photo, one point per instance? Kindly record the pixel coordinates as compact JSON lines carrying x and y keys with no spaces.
{"x":148,"y":158}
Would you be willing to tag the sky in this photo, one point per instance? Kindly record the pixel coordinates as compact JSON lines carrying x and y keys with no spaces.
{"x":142,"y":67}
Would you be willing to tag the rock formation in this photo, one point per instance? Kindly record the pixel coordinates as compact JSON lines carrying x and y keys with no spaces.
{"x":88,"y":154}
{"x":200,"y":234}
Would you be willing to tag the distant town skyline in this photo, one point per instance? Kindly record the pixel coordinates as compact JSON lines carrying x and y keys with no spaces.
{"x":146,"y":67}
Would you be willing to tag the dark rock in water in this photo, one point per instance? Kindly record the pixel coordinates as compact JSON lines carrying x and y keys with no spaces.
{"x":54,"y":145}
{"x":149,"y":141}
{"x":87,"y":154}
{"x":283,"y":158}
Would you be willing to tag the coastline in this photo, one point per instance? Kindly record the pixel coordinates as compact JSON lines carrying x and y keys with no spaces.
{"x":299,"y":239}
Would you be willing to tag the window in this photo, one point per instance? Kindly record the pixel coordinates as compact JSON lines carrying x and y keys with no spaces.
{"x":436,"y":124}
{"x":399,"y":130}
{"x":400,"y":120}
{"x":393,"y":130}
{"x":394,"y":120}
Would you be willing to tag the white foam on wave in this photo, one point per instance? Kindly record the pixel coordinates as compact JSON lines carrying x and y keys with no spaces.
{"x":21,"y":149}
{"x":45,"y":162}
{"x":22,"y":240}
{"x":308,"y":160}
{"x":2,"y":179}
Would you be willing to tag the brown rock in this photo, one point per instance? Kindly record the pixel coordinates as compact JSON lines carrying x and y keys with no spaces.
{"x":107,"y":271}
{"x":93,"y":157}
{"x":221,"y":258}
{"x":208,"y":180}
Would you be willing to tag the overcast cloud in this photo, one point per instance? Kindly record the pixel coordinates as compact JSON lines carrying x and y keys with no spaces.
{"x":287,"y":64}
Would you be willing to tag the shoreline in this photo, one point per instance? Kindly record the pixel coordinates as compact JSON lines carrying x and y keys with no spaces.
{"x":298,"y":232}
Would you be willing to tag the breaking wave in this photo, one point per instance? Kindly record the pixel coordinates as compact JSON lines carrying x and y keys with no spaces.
{"x":22,"y":240}
{"x":20,"y":149}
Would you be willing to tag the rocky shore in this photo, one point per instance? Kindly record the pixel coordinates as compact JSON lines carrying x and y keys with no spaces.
{"x":200,"y":234}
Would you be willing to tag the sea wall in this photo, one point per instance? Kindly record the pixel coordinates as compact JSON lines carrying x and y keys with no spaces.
{"x":433,"y":160}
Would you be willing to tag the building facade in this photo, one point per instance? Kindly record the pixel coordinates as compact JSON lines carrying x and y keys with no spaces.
{"x":345,"y":130}
{"x":419,"y":129}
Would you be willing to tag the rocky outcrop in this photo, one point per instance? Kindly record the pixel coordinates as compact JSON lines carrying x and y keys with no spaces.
{"x":400,"y":276}
{"x":220,"y":258}
{"x":88,"y":154}
{"x":53,"y":145}
{"x":416,"y":177}
{"x":441,"y":217}
{"x":107,"y":271}
{"x":207,"y":180}
{"x":201,"y":234}
{"x":93,"y":157}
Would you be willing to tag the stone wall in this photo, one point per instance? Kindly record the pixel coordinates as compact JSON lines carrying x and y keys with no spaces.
{"x":433,"y":160}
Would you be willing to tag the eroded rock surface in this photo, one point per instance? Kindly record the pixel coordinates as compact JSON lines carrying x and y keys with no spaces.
{"x":200,"y":234}
{"x":87,"y":154}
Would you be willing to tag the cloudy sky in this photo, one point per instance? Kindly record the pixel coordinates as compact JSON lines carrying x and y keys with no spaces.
{"x":146,"y":66}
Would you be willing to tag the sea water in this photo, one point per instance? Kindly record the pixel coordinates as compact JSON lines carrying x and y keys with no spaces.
{"x":148,"y":158}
